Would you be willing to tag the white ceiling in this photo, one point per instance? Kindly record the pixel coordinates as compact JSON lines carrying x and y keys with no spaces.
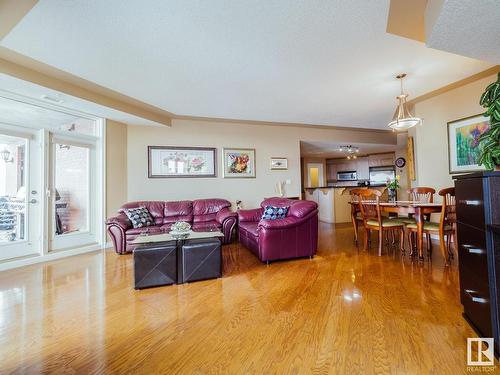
{"x":327,"y":62}
{"x":467,"y":27}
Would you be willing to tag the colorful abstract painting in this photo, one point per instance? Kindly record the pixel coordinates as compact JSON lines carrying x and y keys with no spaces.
{"x":463,"y":142}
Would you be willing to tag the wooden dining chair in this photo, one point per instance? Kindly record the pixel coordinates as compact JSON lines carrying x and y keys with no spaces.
{"x":419,"y":194}
{"x":369,"y":207}
{"x":422,"y":194}
{"x":355,"y":213}
{"x":446,"y":228}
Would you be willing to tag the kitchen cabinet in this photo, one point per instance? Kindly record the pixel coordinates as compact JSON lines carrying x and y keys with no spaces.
{"x":325,"y":200}
{"x":381,"y":160}
{"x":331,"y":171}
{"x":362,"y":168}
{"x":361,"y":165}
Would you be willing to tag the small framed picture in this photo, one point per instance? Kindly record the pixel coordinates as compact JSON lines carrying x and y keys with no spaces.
{"x":239,"y":162}
{"x":279,"y":164}
{"x":463,"y":143}
{"x":173,"y":161}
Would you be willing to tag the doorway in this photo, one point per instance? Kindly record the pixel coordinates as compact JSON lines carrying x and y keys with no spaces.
{"x":315,"y":176}
{"x":51,"y":180}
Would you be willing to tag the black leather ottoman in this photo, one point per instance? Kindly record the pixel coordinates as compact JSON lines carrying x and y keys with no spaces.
{"x":155,"y":264}
{"x":200,"y":259}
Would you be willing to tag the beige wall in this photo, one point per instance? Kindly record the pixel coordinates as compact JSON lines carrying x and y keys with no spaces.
{"x":116,"y":166}
{"x":431,"y":138}
{"x":269,"y":141}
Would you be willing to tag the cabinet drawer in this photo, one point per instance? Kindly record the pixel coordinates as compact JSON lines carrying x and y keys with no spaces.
{"x":472,"y":254}
{"x":477,"y":307}
{"x":470,"y":202}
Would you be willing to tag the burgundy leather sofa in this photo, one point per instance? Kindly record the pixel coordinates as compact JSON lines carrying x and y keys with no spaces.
{"x":202,"y":214}
{"x":294,"y":236}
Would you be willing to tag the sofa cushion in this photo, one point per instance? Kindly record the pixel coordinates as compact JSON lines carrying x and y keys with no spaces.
{"x":178,"y":211}
{"x":206,"y":226}
{"x":302,"y":208}
{"x":155,"y":208}
{"x":136,"y":231}
{"x":277,"y":202}
{"x":206,"y":209}
{"x":139,"y":217}
{"x":274,"y":213}
{"x":250,"y":227}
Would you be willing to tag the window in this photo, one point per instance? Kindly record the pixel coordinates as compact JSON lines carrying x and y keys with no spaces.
{"x":72,"y":190}
{"x":12,"y":189}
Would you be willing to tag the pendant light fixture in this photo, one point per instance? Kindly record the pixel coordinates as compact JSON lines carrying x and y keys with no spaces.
{"x":403,"y":119}
{"x":350,"y":150}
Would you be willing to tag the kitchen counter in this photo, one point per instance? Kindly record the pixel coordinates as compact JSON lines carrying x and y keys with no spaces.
{"x":333,"y":201}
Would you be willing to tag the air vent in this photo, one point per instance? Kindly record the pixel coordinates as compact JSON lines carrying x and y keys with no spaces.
{"x":52,"y":99}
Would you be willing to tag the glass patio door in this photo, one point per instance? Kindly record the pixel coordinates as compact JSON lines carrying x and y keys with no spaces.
{"x":21,"y":201}
{"x":72,"y":192}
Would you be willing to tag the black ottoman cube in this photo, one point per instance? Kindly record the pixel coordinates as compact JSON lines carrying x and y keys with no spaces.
{"x":201,"y":259}
{"x":155,"y":264}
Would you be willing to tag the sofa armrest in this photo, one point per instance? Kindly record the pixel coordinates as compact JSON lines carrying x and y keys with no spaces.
{"x":120,"y":220}
{"x":250,"y":215}
{"x":287,"y":222}
{"x":225,"y":214}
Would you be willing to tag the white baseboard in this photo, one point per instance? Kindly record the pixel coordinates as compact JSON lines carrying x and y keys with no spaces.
{"x":48,"y":257}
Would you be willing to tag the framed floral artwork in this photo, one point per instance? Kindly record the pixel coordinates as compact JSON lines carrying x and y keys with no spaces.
{"x":173,"y":161}
{"x":238,"y":162}
{"x":463,"y":143}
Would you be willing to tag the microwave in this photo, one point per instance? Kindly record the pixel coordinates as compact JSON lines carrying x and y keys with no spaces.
{"x":347,"y":176}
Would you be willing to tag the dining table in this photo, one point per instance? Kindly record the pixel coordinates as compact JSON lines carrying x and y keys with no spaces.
{"x":419,"y":210}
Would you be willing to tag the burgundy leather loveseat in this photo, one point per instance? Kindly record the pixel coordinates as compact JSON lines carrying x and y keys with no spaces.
{"x":294,"y":236}
{"x":202,"y":214}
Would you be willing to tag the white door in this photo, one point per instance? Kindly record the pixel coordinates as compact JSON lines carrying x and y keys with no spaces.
{"x":21,"y":198}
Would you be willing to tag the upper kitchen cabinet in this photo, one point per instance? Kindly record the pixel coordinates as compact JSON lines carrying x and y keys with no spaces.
{"x":362,"y":168}
{"x":331,"y":170}
{"x":381,"y":160}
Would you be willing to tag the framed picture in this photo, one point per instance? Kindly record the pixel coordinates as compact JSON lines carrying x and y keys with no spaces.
{"x":172,"y":161}
{"x":463,"y":142}
{"x":239,"y":162}
{"x":279,"y":163}
{"x":411,"y":160}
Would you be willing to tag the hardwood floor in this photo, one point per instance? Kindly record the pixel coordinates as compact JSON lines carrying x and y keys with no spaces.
{"x":343,"y":312}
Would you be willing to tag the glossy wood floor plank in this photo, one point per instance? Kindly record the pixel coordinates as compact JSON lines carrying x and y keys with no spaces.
{"x":344,"y":312}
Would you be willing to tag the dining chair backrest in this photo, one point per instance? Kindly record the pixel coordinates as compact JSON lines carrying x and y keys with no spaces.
{"x":369,"y":204}
{"x":422,"y":194}
{"x":355,"y":194}
{"x":448,"y":208}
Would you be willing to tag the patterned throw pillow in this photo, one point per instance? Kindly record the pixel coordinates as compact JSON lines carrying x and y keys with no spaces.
{"x":140,"y":217}
{"x":273,"y":213}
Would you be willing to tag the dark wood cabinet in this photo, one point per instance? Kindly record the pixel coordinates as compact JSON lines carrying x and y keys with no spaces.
{"x":478,"y":217}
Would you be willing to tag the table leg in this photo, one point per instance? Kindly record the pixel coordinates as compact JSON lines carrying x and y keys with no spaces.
{"x":420,"y":233}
